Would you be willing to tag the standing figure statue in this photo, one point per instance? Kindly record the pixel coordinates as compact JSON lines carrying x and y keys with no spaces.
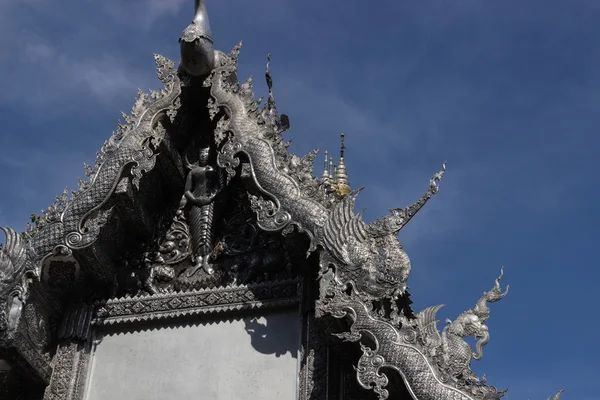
{"x":202,"y":185}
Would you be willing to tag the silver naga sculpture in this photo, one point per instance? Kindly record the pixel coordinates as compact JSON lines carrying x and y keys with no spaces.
{"x":450,"y":350}
{"x":363,"y":267}
{"x":15,"y":270}
{"x":373,"y":258}
{"x":361,"y":264}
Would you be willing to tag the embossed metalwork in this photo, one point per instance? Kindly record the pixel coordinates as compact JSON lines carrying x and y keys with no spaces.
{"x":198,"y":302}
{"x":202,"y":185}
{"x":70,"y":369}
{"x":76,"y":322}
{"x":449,"y":351}
{"x":256,"y":133}
{"x":557,"y":396}
{"x":196,"y":43}
{"x":14,"y":268}
{"x":366,"y":259}
{"x":75,"y":223}
{"x":248,"y":253}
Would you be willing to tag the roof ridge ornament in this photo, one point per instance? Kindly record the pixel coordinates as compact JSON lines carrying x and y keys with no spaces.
{"x":325,"y":176}
{"x":196,"y":43}
{"x":341,"y":177}
{"x":557,"y":396}
{"x":14,"y":268}
{"x":363,"y":268}
{"x":399,"y":217}
{"x":282,"y":122}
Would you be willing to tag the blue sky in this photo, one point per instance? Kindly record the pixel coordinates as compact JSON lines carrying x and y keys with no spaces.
{"x":507,"y":92}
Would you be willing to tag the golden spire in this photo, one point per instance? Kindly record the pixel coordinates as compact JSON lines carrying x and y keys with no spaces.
{"x":341,"y":178}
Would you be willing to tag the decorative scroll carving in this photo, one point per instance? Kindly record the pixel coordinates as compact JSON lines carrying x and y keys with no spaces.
{"x":76,"y":222}
{"x":15,"y":270}
{"x":173,"y":248}
{"x":35,"y":361}
{"x":247,"y":255}
{"x":364,"y":269}
{"x":245,"y":297}
{"x":433,"y":366}
{"x":150,"y":268}
{"x":70,"y":370}
{"x":268,"y":215}
{"x":240,"y":253}
{"x":257,"y":134}
{"x":390,"y":347}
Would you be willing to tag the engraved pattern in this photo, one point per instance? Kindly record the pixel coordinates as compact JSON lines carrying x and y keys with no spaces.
{"x":132,"y":147}
{"x":366,"y":262}
{"x":390,"y":351}
{"x":255,"y":133}
{"x":14,"y":269}
{"x":450,"y":351}
{"x":37,"y":361}
{"x":69,"y":372}
{"x":198,"y":302}
{"x":363,"y":267}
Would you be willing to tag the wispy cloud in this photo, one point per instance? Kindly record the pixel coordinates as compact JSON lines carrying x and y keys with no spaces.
{"x":144,"y":13}
{"x":53,"y":77}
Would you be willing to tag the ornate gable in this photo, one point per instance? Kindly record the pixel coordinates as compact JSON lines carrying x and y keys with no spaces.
{"x":196,"y":206}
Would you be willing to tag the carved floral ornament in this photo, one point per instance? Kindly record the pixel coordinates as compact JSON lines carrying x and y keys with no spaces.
{"x":363,"y":269}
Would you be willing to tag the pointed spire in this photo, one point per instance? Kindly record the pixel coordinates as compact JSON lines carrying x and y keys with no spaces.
{"x":197,"y":51}
{"x":331,"y":168}
{"x":325,"y":176}
{"x":282,"y":122}
{"x":341,"y":178}
{"x":271,"y":107}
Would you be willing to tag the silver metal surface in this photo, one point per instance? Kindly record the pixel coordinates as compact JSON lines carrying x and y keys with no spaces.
{"x":197,"y":52}
{"x":121,"y":250}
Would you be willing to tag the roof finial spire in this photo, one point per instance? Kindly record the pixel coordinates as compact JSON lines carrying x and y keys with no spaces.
{"x":197,"y":51}
{"x":330,"y":168}
{"x":325,"y":176}
{"x":341,"y":178}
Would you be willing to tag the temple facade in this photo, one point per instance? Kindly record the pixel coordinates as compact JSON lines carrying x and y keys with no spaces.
{"x":200,"y":259}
